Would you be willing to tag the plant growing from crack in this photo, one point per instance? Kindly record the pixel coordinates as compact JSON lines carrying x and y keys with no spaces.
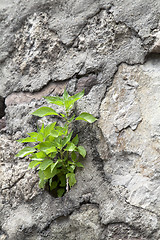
{"x":56,"y":153}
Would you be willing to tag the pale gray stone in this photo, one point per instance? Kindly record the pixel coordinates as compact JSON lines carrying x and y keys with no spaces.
{"x":134,"y":139}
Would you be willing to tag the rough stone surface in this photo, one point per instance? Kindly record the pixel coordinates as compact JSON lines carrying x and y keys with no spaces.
{"x":110,"y":49}
{"x":129,"y":107}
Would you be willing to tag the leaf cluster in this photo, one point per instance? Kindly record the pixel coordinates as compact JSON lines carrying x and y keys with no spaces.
{"x":56,"y":153}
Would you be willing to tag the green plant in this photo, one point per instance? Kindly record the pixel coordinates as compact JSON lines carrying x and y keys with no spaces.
{"x":56,"y":153}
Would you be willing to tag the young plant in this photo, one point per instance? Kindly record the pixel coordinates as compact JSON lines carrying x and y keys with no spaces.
{"x":56,"y":153}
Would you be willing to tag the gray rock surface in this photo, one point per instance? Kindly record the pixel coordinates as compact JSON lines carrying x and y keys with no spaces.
{"x":110,"y":49}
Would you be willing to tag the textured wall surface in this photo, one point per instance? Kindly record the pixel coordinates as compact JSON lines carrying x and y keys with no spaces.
{"x":111,"y":49}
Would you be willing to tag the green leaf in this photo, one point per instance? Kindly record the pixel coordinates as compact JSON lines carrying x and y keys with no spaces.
{"x":71,"y":163}
{"x":60,"y":192}
{"x":38,"y":129}
{"x":40,"y":137}
{"x":33,"y":164}
{"x":26,"y":140}
{"x":59,"y":164}
{"x":71,"y":168}
{"x":76,"y":97}
{"x":78,"y":164}
{"x":41,"y":174}
{"x":48,"y":174}
{"x":69,"y":102}
{"x":50,"y":181}
{"x":33,"y":134}
{"x":72,"y":179}
{"x":71,"y":119}
{"x":54,"y":133}
{"x":65,"y":95}
{"x":53,"y":166}
{"x":66,"y":139}
{"x":58,"y":143}
{"x":81,"y":151}
{"x":46,"y":147}
{"x":25,"y":151}
{"x":52,"y":155}
{"x":70,"y":147}
{"x":59,"y":160}
{"x":55,"y":100}
{"x":44,"y":111}
{"x":42,"y":183}
{"x":59,"y":131}
{"x":48,"y":129}
{"x":62,"y":115}
{"x":38,"y":156}
{"x":68,"y":105}
{"x":75,"y":140}
{"x":37,"y":137}
{"x":41,"y":155}
{"x":42,"y":129}
{"x":62,"y":130}
{"x":45,"y":164}
{"x":53,"y":184}
{"x":86,"y":117}
{"x":74,"y":156}
{"x":50,"y":150}
{"x":62,"y":179}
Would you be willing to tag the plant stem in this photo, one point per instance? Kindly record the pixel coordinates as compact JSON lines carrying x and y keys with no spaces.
{"x":67,"y":185}
{"x":61,"y":155}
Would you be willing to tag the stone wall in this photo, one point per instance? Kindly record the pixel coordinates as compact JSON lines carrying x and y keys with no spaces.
{"x":111,"y":49}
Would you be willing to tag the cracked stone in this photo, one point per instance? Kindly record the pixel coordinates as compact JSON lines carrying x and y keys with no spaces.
{"x":156,"y":46}
{"x":22,"y":97}
{"x":133,"y":134}
{"x":104,"y":47}
{"x":16,"y":183}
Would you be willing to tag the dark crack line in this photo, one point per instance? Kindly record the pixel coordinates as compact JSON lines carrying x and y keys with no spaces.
{"x":40,"y":89}
{"x":52,"y":81}
{"x":147,"y":47}
{"x":121,"y":222}
{"x":86,"y":23}
{"x":11,"y":186}
{"x":59,"y":216}
{"x":3,"y":232}
{"x":133,"y":31}
{"x":127,"y":127}
{"x":133,"y":228}
{"x":141,"y":208}
{"x":113,"y":76}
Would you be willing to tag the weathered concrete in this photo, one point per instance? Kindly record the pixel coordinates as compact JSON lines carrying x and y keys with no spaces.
{"x":110,"y":49}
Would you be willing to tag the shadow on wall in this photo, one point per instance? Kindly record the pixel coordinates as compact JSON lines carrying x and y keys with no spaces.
{"x":2,"y":107}
{"x":2,"y":112}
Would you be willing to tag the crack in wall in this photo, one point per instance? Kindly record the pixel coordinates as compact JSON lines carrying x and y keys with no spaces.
{"x":14,"y":184}
{"x":85,"y":24}
{"x":16,"y":98}
{"x":142,"y":209}
{"x":114,"y":74}
{"x":2,"y":107}
{"x":86,"y":72}
{"x":122,"y":228}
{"x":63,"y":217}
